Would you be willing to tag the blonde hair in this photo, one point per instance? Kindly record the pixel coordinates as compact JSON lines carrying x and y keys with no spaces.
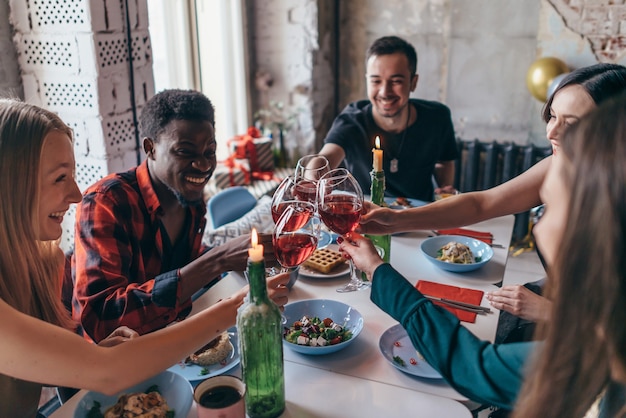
{"x":30,"y":270}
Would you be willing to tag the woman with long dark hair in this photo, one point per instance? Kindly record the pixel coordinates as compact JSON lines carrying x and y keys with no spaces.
{"x":581,"y":364}
{"x":579,"y":92}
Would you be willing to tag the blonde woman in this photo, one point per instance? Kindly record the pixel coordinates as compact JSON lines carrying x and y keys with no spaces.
{"x":38,"y":343}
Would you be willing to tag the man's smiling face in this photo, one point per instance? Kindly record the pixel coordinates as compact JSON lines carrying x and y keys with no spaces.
{"x":183,"y":158}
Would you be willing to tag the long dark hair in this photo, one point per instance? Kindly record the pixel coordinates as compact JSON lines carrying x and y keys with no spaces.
{"x":587,"y":333}
{"x":601,"y":81}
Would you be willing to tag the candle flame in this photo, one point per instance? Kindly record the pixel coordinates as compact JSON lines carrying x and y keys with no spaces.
{"x":254,"y":239}
{"x":377,"y":142}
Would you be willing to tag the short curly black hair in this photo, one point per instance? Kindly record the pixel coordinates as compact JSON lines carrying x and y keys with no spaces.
{"x":174,"y":104}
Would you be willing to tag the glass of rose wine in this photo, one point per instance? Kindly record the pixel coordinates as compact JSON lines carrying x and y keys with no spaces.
{"x":283,"y":197}
{"x":309,"y":169}
{"x":295,"y":235}
{"x":339,"y":204}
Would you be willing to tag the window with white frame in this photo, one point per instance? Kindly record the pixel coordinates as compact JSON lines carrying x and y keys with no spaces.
{"x":200,"y":44}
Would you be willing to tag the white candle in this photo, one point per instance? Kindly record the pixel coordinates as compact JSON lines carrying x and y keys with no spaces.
{"x":378,"y":156}
{"x":256,"y":251}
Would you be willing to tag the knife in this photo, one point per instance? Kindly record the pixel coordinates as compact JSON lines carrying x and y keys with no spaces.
{"x":461,"y":305}
{"x":480,"y":238}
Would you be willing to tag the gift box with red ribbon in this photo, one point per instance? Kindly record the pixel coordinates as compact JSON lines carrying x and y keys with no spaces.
{"x":232,"y":172}
{"x":256,"y":148}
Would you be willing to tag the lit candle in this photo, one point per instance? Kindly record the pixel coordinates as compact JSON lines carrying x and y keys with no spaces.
{"x":256,"y":251}
{"x":378,"y":156}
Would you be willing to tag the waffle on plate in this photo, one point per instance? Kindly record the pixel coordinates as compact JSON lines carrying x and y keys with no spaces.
{"x":324,"y":260}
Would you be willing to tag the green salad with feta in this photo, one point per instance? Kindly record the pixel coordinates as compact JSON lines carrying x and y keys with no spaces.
{"x":315,"y":332}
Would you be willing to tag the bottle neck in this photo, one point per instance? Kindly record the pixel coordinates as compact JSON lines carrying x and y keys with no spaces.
{"x":256,"y":280}
{"x":377,"y":190}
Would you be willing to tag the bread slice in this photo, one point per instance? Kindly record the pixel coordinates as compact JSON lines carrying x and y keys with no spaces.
{"x":324,"y":260}
{"x":212,"y":353}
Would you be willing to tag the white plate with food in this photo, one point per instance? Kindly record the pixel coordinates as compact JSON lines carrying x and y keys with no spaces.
{"x":403,"y":202}
{"x":325,"y":263}
{"x":340,"y":271}
{"x":195,"y":372}
{"x":397,"y":348}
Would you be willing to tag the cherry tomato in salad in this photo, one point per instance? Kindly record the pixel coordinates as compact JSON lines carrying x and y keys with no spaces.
{"x":335,"y":340}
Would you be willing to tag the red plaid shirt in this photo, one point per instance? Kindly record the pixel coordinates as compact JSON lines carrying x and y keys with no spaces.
{"x":117,"y":262}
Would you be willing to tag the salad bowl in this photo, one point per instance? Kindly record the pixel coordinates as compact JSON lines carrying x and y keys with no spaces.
{"x":348,"y":320}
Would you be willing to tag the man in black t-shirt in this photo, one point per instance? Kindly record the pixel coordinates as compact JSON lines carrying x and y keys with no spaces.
{"x":417,"y":136}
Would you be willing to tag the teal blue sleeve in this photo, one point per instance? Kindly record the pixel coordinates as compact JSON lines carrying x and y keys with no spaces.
{"x":482,"y":371}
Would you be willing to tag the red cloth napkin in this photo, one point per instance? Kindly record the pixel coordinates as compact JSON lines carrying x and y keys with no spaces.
{"x":486,"y":237}
{"x":459,"y":294}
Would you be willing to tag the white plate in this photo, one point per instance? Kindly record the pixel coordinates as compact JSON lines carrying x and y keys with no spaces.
{"x":395,"y":342}
{"x":338,"y":271}
{"x":413,"y":202}
{"x":194,"y":372}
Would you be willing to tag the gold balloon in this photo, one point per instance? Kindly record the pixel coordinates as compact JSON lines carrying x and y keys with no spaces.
{"x":541,"y":73}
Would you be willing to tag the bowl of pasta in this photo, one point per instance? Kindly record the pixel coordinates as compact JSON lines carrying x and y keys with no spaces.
{"x":456,"y":253}
{"x":166,"y":394}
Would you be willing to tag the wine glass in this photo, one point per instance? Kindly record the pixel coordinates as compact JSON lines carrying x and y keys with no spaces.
{"x":295,"y":235}
{"x":309,"y":169}
{"x":283,"y":197}
{"x":340,"y":201}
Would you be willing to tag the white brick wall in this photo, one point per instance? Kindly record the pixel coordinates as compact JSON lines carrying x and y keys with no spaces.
{"x":73,"y":57}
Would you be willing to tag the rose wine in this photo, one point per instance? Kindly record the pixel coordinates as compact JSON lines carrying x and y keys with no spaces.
{"x":297,"y":220}
{"x":292,"y":249}
{"x":306,"y":190}
{"x":340,"y":213}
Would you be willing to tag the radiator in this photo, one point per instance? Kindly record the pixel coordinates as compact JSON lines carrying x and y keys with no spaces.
{"x":482,"y":165}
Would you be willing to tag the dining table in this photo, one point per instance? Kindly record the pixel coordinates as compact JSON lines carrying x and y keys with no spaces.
{"x":359,"y":381}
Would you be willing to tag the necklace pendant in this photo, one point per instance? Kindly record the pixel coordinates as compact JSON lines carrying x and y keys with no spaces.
{"x":394,"y":166}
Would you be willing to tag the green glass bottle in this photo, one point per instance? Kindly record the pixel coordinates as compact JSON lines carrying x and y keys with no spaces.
{"x":259,"y":326}
{"x":381,"y":242}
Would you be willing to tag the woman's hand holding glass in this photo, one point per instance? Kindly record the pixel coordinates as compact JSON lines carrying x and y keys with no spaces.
{"x":339,"y":204}
{"x":361,"y":251}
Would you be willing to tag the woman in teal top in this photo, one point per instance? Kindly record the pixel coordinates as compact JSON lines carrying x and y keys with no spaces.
{"x":580,"y":368}
{"x":484,"y":372}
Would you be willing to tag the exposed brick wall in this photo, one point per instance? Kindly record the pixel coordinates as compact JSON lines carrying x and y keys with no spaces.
{"x":74,"y":60}
{"x":10,"y":82}
{"x":601,"y":23}
{"x":289,"y":42}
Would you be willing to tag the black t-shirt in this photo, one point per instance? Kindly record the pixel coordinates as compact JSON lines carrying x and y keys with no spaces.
{"x":430,"y":139}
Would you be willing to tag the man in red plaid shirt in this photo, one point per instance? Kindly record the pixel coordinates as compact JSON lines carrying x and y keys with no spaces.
{"x":138,"y":254}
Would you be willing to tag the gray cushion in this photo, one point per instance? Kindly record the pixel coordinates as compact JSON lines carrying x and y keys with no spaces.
{"x":260,"y":217}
